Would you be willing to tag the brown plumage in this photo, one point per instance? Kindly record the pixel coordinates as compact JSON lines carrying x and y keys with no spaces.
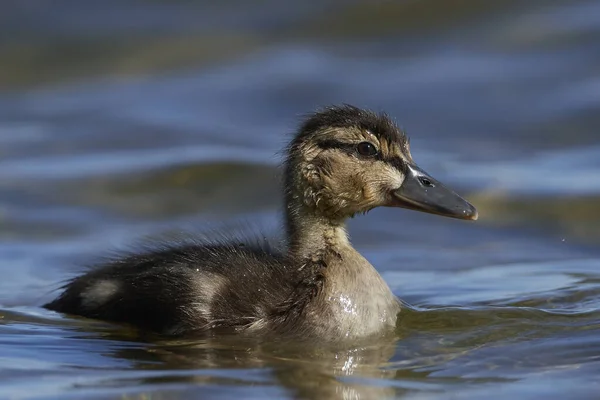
{"x":343,"y":161}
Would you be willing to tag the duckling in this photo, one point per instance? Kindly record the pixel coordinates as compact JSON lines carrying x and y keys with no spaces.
{"x":342,"y":162}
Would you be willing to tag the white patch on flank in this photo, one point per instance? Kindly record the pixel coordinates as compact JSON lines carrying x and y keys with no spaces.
{"x":99,"y":293}
{"x":208,"y":287}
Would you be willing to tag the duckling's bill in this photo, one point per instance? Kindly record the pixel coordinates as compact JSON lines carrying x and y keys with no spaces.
{"x":421,"y":192}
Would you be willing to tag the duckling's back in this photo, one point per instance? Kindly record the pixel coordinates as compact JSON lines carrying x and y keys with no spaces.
{"x":187,"y":288}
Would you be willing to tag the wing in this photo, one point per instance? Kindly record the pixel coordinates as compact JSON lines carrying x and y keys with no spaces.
{"x":182,"y":289}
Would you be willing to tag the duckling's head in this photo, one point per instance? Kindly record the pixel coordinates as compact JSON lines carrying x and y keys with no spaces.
{"x":345,"y":160}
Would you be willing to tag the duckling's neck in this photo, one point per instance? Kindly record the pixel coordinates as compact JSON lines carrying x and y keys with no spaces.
{"x":309,"y":234}
{"x":354,"y":297}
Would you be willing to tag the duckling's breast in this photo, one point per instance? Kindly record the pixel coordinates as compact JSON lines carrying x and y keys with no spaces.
{"x":360,"y":302}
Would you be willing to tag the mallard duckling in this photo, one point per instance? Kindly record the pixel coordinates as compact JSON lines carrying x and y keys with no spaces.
{"x":342,"y":162}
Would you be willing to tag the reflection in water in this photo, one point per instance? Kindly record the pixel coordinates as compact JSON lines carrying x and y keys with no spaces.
{"x":434,"y":350}
{"x":306,"y":371}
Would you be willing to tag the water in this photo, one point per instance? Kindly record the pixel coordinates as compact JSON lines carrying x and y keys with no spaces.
{"x":125,"y":119}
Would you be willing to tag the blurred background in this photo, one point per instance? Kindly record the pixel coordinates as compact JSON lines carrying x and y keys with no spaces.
{"x":123,"y":119}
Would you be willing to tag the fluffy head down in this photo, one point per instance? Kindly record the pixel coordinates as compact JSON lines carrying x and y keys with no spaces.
{"x":344,"y":161}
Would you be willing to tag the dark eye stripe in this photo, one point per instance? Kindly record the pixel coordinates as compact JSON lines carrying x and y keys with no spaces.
{"x":397,"y":163}
{"x":350,"y":148}
{"x":336,"y":144}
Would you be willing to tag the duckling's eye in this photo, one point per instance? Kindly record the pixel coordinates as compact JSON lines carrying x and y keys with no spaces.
{"x":366,"y":149}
